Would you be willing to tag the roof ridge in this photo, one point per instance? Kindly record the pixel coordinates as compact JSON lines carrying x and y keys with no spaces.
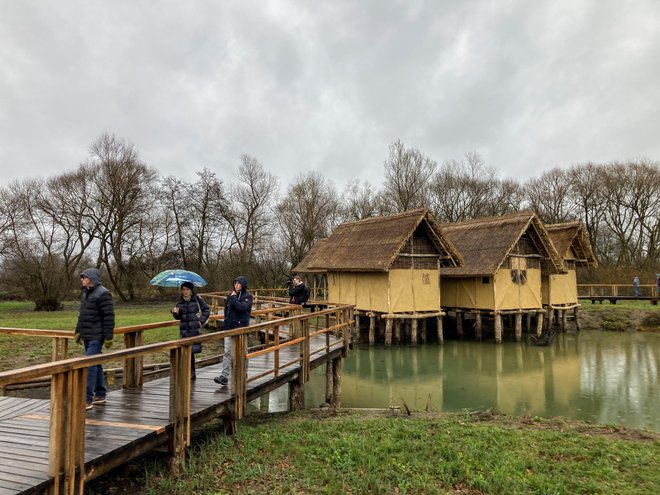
{"x":476,"y":221}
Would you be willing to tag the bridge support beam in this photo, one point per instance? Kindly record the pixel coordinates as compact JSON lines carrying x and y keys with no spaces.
{"x":296,"y":395}
{"x":66,"y":448}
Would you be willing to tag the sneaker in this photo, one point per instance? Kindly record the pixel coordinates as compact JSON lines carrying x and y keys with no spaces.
{"x":222,"y":380}
{"x":98,"y":400}
{"x":89,"y":405}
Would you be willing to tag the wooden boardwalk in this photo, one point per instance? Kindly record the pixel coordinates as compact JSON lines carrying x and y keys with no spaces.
{"x":134,"y":420}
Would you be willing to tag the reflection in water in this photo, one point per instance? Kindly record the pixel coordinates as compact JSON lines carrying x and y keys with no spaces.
{"x":602,"y":377}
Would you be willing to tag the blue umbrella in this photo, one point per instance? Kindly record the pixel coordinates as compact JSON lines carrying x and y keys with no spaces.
{"x":174,"y":278}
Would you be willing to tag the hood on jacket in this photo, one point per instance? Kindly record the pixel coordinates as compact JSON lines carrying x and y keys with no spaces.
{"x":241,"y":280}
{"x":93,"y":274}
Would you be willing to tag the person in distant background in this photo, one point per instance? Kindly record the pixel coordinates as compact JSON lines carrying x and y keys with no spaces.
{"x":95,"y":329}
{"x":636,"y":292}
{"x":238,"y":307}
{"x":193,"y":313}
{"x":298,"y":291}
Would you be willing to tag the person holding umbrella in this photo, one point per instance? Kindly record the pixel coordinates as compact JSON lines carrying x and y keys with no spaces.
{"x":238,"y":307}
{"x":193,"y":313}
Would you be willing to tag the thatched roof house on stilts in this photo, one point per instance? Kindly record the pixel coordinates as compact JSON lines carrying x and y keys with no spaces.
{"x":389,"y":268}
{"x":559,"y":290}
{"x":503,"y":261}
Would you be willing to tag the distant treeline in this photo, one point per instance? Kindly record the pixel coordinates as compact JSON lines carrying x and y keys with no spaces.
{"x":117,"y":213}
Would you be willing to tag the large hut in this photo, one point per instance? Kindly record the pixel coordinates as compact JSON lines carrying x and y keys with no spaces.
{"x":559,"y":290}
{"x":504,"y":258}
{"x":388,"y":267}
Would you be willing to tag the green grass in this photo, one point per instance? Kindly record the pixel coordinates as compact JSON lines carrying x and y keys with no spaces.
{"x":585,"y":305}
{"x":350,"y":452}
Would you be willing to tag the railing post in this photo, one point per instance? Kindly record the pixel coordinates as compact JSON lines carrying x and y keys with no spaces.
{"x":133,"y":366}
{"x":60,"y":346}
{"x":179,"y":405}
{"x":66,"y":447}
{"x":305,"y":365}
{"x":239,"y":374}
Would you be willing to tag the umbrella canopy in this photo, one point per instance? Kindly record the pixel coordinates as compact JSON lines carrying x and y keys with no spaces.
{"x":174,"y":278}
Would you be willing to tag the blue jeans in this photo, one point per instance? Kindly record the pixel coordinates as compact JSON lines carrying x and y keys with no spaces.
{"x":95,"y":381}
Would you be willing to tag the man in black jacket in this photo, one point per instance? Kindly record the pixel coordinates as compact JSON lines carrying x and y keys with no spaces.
{"x":95,"y":327}
{"x":238,"y":308}
{"x":298,"y":291}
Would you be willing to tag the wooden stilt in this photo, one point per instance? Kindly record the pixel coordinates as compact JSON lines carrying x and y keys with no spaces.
{"x":328,"y":382}
{"x":459,"y":323}
{"x":518,"y":326}
{"x":422,"y":331}
{"x":336,"y":383}
{"x":355,"y":334}
{"x":528,"y":322}
{"x":498,"y":328}
{"x":296,"y":395}
{"x":388,"y":332}
{"x":413,"y":331}
{"x":577,"y":320}
{"x":372,"y":330}
{"x":441,"y":335}
{"x":539,"y":323}
{"x":397,"y":331}
{"x":563,"y":320}
{"x":478,"y":325}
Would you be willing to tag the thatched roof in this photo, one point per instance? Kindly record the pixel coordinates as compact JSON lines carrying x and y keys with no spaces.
{"x":485,"y":243}
{"x":310,"y":259}
{"x":573,"y":235}
{"x":372,"y":245}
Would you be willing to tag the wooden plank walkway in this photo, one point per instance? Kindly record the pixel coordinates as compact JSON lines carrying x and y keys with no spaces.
{"x":614,"y":299}
{"x":132,"y":422}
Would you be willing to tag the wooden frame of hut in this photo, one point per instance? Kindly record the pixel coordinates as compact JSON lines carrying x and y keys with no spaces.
{"x":388,"y":268}
{"x":559,"y":290}
{"x":504,"y":259}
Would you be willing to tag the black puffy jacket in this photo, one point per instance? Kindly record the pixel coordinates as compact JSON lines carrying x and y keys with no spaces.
{"x":96,"y":320}
{"x":193,"y":314}
{"x":238,"y":307}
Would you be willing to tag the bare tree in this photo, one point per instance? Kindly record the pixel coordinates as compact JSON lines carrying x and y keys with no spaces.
{"x":407,"y":176}
{"x":121,"y":200}
{"x":360,"y":201}
{"x":308,"y":212}
{"x":588,"y":196}
{"x":467,"y":189}
{"x":549,"y":196}
{"x":249,"y":214}
{"x":46,"y":248}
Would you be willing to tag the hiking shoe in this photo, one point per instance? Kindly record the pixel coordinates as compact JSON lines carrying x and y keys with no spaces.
{"x":98,"y":400}
{"x":222,"y":380}
{"x":89,"y":405}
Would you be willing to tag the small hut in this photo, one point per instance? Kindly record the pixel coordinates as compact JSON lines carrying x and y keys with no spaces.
{"x":559,"y":290}
{"x":504,"y":258}
{"x":388,"y":267}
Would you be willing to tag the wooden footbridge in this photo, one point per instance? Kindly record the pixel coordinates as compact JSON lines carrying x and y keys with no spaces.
{"x":618,"y":292}
{"x":55,"y":446}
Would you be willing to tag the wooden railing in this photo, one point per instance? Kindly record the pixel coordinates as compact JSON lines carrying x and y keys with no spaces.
{"x":133,"y":367}
{"x":69,"y":376}
{"x":616,"y":290}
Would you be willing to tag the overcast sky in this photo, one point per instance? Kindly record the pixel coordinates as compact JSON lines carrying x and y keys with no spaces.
{"x":328,"y":85}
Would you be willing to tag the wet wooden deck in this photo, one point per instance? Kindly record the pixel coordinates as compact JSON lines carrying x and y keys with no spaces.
{"x":132,"y":422}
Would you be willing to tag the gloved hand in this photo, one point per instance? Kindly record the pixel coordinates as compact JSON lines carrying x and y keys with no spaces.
{"x":107,"y":344}
{"x":77,"y":338}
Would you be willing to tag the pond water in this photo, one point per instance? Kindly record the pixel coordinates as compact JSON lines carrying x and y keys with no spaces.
{"x":601,"y":377}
